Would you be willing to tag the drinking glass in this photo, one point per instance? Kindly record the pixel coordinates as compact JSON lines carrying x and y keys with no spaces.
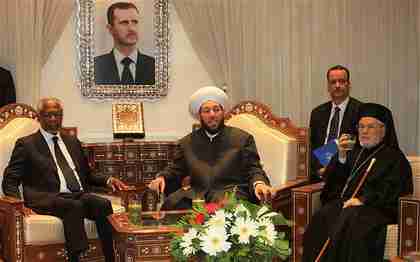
{"x":134,"y":210}
{"x":198,"y":200}
{"x":350,"y":142}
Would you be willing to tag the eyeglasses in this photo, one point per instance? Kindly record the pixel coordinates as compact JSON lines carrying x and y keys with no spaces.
{"x":369,"y":126}
{"x":52,"y":114}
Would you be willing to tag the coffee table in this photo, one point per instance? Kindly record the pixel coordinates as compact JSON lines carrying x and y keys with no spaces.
{"x":146,"y":242}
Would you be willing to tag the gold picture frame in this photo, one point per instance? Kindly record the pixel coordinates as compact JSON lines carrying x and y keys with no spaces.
{"x":127,"y":120}
{"x":88,"y":31}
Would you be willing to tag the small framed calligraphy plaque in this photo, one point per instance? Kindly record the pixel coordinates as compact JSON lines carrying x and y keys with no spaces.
{"x":127,"y":120}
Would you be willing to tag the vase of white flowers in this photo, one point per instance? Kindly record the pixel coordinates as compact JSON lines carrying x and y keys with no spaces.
{"x":233,"y":230}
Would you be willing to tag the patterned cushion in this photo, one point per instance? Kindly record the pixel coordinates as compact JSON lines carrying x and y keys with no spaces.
{"x":277,"y":151}
{"x":48,"y":229}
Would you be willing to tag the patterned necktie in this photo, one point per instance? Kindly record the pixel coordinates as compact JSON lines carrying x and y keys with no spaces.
{"x":333,"y":134}
{"x":69,"y":176}
{"x":127,"y":77}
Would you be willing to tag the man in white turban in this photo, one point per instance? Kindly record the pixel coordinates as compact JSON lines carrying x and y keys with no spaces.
{"x":216,"y":157}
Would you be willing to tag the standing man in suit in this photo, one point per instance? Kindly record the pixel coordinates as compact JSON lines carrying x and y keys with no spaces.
{"x":56,"y":177}
{"x":124,"y":65}
{"x":323,"y":125}
{"x":7,"y":88}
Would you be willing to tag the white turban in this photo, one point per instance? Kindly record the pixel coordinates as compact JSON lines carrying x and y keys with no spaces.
{"x":204,"y":94}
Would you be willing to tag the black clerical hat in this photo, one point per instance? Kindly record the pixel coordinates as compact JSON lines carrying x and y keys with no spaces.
{"x":384,"y":115}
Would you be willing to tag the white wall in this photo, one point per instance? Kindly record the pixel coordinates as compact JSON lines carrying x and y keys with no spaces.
{"x":167,"y":118}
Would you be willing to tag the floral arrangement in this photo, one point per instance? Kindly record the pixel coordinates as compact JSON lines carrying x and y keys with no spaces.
{"x":233,"y":230}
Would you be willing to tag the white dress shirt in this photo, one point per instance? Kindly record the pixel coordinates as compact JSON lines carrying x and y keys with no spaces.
{"x":342,"y":107}
{"x":48,"y":138}
{"x":119,"y":57}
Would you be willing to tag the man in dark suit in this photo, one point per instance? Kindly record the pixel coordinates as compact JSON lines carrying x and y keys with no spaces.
{"x":124,"y":65}
{"x":218,"y":158}
{"x":56,"y":177}
{"x":322,"y":117}
{"x":7,"y":88}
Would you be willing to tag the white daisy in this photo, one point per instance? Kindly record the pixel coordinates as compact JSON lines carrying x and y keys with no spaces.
{"x":244,"y":228}
{"x":218,"y":220}
{"x":267,"y":230}
{"x":187,"y":244}
{"x":189,"y":251}
{"x":214,"y":240}
{"x":190,"y":235}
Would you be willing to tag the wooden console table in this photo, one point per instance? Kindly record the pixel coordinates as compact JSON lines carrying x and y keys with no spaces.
{"x":147,"y":242}
{"x":135,"y":162}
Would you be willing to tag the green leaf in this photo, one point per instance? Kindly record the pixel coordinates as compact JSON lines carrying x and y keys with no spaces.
{"x":281,"y":220}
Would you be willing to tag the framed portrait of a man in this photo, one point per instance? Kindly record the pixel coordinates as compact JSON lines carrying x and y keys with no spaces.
{"x":123,"y":48}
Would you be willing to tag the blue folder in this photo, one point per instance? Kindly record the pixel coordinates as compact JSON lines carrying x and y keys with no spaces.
{"x":326,"y":152}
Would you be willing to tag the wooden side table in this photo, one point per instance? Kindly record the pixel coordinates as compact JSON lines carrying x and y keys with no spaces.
{"x":147,"y":242}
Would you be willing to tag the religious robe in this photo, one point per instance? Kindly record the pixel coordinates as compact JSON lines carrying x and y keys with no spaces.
{"x":229,"y":160}
{"x":358,"y":233}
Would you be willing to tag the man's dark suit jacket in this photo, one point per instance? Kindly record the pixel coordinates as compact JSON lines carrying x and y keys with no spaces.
{"x":106,"y":71}
{"x":33,"y":165}
{"x":7,"y":88}
{"x":319,"y":123}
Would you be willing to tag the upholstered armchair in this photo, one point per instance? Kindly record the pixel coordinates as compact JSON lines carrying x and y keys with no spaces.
{"x":35,"y":237}
{"x":283,"y":149}
{"x":282,"y":146}
{"x":401,"y":239}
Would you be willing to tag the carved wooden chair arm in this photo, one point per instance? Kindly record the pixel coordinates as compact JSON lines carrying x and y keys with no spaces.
{"x":290,"y":185}
{"x":11,"y":202}
{"x":311,"y":188}
{"x":11,"y":219}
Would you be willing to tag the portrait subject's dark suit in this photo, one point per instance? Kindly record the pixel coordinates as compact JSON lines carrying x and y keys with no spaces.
{"x":33,"y":166}
{"x":7,"y":88}
{"x":318,"y":125}
{"x":106,"y":71}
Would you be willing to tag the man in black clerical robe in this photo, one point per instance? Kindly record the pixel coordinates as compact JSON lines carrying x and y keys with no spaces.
{"x":218,"y":158}
{"x":357,"y":225}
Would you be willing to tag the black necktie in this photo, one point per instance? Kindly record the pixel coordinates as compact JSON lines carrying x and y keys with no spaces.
{"x":69,"y":176}
{"x":127,"y":77}
{"x":333,"y":134}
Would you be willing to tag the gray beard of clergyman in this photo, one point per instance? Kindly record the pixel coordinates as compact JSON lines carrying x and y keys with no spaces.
{"x":373,"y":144}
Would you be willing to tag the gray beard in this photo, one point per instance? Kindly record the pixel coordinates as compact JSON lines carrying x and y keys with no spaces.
{"x":369,"y":145}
